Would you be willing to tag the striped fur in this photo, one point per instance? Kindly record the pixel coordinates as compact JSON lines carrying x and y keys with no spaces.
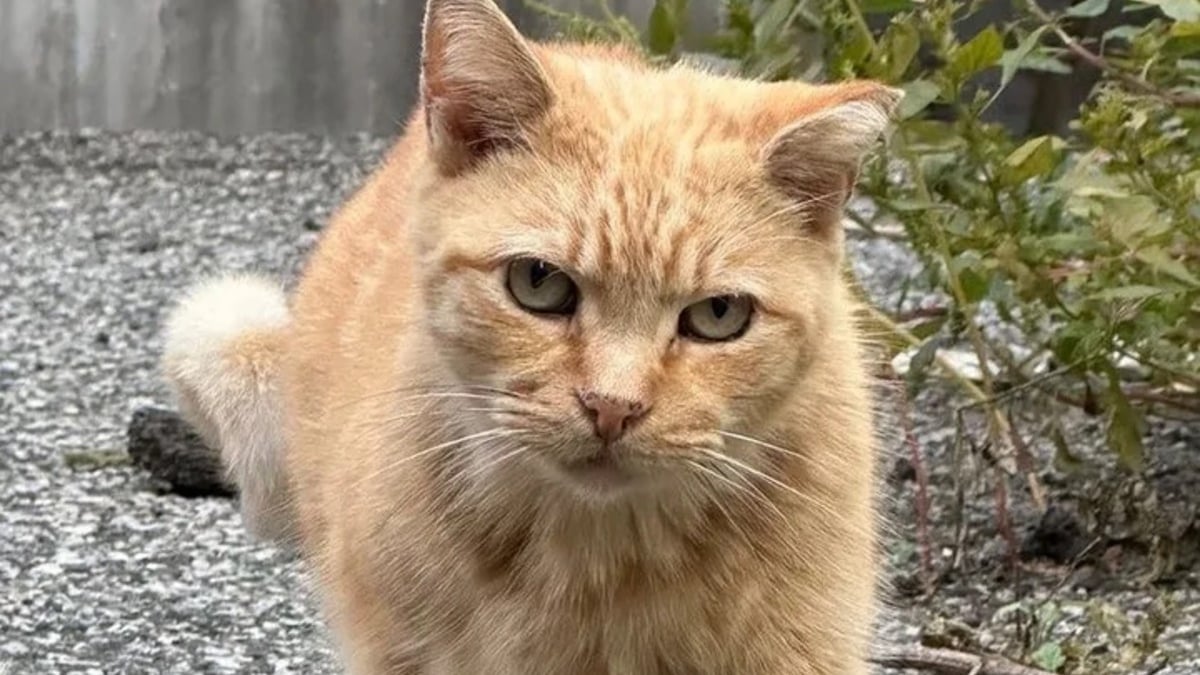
{"x":426,"y":416}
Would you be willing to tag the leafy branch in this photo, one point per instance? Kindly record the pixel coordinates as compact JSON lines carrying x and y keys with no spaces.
{"x":1183,"y":99}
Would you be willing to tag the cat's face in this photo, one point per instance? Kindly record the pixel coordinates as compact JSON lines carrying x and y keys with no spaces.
{"x":667,"y":285}
{"x":632,"y":282}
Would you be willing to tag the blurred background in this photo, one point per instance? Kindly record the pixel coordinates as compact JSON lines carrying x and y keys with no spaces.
{"x":323,"y":66}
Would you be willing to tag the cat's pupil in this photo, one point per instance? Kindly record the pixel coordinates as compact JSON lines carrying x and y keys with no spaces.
{"x":719,"y":307}
{"x":538,"y":272}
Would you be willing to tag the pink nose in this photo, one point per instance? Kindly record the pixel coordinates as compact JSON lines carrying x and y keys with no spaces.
{"x":611,"y":416}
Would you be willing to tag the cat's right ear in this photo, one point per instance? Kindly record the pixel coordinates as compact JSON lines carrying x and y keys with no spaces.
{"x":816,"y":158}
{"x":481,"y":85}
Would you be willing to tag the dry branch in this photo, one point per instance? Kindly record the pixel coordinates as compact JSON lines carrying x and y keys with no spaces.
{"x":1135,"y":83}
{"x":948,"y":661}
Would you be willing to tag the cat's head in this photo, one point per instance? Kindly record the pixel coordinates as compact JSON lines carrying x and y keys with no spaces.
{"x":630,"y":267}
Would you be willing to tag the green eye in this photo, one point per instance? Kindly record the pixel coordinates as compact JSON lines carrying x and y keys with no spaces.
{"x":725,"y":317}
{"x":541,"y":288}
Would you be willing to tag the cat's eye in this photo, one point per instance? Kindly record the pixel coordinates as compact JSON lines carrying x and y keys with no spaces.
{"x":540,"y":287}
{"x":716,"y":319}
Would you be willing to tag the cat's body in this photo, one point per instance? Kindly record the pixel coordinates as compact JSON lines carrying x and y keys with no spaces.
{"x":440,"y":461}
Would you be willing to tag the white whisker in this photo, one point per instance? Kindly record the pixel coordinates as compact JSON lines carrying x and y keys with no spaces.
{"x":482,"y":435}
{"x":770,"y":479}
{"x":491,"y":464}
{"x":750,"y":490}
{"x":757,"y":442}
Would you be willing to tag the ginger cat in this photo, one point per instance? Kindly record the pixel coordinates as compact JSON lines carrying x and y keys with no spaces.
{"x":573,"y":384}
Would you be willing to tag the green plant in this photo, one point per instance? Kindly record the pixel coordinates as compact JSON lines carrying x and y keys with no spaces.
{"x":1086,"y":246}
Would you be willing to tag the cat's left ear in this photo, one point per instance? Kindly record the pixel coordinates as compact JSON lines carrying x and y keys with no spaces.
{"x":816,"y":159}
{"x":482,"y":86}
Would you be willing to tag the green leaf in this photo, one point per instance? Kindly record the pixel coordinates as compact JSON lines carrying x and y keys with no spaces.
{"x":918,"y":94}
{"x":884,"y":6}
{"x":921,"y":361}
{"x":858,"y":46}
{"x":1126,"y":33}
{"x":1044,"y":63}
{"x":1048,"y":615}
{"x":1014,"y":58}
{"x":1036,"y":157}
{"x":911,"y":205}
{"x":980,"y":53}
{"x":974,"y":284}
{"x":662,"y":29}
{"x":1160,"y":260}
{"x":1064,"y":460}
{"x":1088,"y":8}
{"x":1179,"y":10}
{"x":772,"y":21}
{"x":1124,"y":425}
{"x":1130,"y":219}
{"x":1069,"y":344}
{"x":935,"y":134}
{"x":928,"y":328}
{"x":1131,"y":292}
{"x":1049,"y":657}
{"x":903,"y":41}
{"x":1068,"y":242}
{"x":1185,"y":29}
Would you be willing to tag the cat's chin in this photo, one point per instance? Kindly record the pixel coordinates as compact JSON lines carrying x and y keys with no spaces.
{"x":601,"y":476}
{"x":601,"y":469}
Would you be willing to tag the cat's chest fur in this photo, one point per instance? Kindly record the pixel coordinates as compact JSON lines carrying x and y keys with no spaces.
{"x":626,"y":590}
{"x":558,"y":613}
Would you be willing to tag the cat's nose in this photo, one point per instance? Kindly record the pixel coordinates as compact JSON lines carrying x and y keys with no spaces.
{"x":610,"y":415}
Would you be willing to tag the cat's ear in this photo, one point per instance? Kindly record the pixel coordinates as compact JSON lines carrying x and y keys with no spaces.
{"x":481,"y":85}
{"x":816,"y":158}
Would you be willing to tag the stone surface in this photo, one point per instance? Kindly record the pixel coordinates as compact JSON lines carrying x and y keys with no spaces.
{"x":164,"y":445}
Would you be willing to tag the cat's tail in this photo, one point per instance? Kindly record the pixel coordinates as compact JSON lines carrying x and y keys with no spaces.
{"x":224,"y":343}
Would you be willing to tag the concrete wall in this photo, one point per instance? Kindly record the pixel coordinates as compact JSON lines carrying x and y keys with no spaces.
{"x":325,"y":66}
{"x":227,"y":66}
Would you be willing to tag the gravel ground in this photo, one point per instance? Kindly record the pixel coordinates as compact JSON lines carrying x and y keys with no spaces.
{"x":100,"y":571}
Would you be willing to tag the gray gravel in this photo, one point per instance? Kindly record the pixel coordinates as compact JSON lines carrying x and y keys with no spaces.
{"x":99,"y":571}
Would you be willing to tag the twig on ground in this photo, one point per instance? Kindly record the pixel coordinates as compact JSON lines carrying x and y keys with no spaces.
{"x":935,"y":312}
{"x":996,"y":418}
{"x":922,"y":505}
{"x":1004,"y":523}
{"x":948,"y":661}
{"x":960,"y":494}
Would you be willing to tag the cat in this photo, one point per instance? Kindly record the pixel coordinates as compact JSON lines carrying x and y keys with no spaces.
{"x":572,"y":384}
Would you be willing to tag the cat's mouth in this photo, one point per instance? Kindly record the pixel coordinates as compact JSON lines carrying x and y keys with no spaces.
{"x":603,"y":470}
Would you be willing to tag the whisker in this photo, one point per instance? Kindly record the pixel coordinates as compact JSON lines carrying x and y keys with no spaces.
{"x":755,"y":441}
{"x":432,"y":390}
{"x":488,"y":434}
{"x":719,"y":504}
{"x":770,"y":479}
{"x":750,"y":490}
{"x":448,"y":394}
{"x":497,"y":461}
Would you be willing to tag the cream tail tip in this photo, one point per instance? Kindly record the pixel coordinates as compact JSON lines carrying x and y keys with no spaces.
{"x":223,"y":344}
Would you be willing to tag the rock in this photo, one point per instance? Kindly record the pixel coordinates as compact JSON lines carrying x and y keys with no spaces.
{"x":1058,"y":537}
{"x":161,"y":442}
{"x":902,"y":472}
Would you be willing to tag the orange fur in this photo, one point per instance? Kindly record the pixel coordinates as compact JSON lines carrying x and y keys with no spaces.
{"x":428,"y":416}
